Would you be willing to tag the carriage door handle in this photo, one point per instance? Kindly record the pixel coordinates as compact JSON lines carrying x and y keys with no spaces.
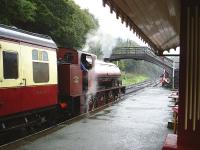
{"x":23,"y":82}
{"x":24,"y":79}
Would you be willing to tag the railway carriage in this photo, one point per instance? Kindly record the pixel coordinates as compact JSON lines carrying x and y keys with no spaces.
{"x":28,"y":75}
{"x":40,"y":82}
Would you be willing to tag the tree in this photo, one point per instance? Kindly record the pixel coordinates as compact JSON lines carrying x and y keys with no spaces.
{"x":17,"y":12}
{"x":63,"y":20}
{"x":125,"y":43}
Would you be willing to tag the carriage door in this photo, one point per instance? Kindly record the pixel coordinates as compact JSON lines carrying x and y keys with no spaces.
{"x":9,"y":77}
{"x":10,"y":65}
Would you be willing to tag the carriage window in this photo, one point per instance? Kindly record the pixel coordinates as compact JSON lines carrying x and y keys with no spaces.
{"x":35,"y":55}
{"x":40,"y":68}
{"x":40,"y":72}
{"x":39,"y":55}
{"x":10,"y":65}
{"x":44,"y":56}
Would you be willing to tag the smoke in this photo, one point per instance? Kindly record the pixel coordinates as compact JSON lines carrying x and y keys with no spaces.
{"x":105,"y":41}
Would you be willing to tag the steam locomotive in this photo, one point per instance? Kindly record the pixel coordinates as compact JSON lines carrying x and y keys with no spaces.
{"x":39,"y":80}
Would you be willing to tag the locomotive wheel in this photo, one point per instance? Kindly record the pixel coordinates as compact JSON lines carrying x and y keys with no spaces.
{"x":101,"y":100}
{"x":110,"y":96}
{"x":91,"y":103}
{"x":118,"y":96}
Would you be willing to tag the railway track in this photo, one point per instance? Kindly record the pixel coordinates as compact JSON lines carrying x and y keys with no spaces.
{"x":28,"y":137}
{"x":139,"y":86}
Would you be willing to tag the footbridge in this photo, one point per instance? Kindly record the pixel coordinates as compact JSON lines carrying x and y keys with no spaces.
{"x":141,"y":53}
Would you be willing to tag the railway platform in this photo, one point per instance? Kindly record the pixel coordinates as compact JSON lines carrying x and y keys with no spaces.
{"x":137,"y":123}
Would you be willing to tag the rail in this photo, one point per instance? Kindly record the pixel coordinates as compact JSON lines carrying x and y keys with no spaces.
{"x":135,"y":87}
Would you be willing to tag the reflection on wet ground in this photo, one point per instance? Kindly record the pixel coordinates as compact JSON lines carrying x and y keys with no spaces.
{"x":137,"y":123}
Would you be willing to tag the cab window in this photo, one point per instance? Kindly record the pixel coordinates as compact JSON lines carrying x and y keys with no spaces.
{"x":86,"y":62}
{"x":40,"y":66}
{"x":68,"y":58}
{"x":10,"y":65}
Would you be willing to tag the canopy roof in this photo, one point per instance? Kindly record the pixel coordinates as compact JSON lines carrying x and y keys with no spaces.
{"x":155,"y":21}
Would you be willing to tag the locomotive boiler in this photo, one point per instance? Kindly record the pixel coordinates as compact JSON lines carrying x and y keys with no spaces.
{"x":107,"y":74}
{"x":38,"y":80}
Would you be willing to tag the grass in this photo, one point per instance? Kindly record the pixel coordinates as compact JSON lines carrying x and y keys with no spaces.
{"x":130,"y":78}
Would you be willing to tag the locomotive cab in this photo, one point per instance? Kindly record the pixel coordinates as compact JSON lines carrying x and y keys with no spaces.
{"x":73,"y":77}
{"x":86,"y":66}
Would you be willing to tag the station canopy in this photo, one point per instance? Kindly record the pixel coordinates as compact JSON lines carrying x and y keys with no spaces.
{"x":157,"y":22}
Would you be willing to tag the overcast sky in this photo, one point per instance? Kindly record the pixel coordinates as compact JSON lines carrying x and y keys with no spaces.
{"x":107,"y":21}
{"x":109,"y":24}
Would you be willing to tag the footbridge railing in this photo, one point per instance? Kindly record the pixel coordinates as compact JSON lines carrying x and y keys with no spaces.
{"x":141,"y":53}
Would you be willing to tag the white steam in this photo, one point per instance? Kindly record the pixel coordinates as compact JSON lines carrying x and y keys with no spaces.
{"x":91,"y":93}
{"x":106,"y":41}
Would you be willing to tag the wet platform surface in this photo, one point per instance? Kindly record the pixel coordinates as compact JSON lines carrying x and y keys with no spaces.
{"x":137,"y":123}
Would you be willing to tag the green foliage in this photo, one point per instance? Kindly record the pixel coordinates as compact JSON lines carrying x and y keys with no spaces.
{"x":16,"y":12}
{"x":63,"y":20}
{"x":140,"y":67}
{"x":121,"y":64}
{"x":132,"y":78}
